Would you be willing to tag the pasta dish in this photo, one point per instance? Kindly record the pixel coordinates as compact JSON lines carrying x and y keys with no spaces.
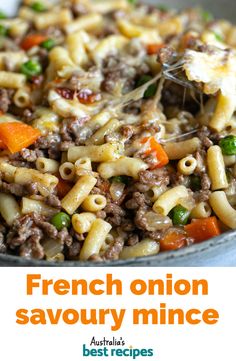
{"x":117,"y":129}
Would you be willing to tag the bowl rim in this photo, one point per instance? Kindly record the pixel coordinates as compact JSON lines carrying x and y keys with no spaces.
{"x":198,"y":248}
{"x":185,"y":253}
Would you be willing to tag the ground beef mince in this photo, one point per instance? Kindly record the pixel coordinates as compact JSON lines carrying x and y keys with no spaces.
{"x":30,"y":155}
{"x":73,"y":250}
{"x":201,"y":162}
{"x":121,"y":69}
{"x":53,"y":201}
{"x":51,"y":144}
{"x":166,"y":55}
{"x":127,"y":131}
{"x":18,"y":189}
{"x":115,"y":69}
{"x":203,"y":135}
{"x":115,"y":213}
{"x":112,"y":253}
{"x":140,"y":220}
{"x":32,"y":188}
{"x":47,"y":228}
{"x":27,"y":115}
{"x":74,"y":131}
{"x":28,"y":233}
{"x":178,"y":179}
{"x":205,"y":182}
{"x":22,"y":229}
{"x":96,"y":258}
{"x":138,"y":200}
{"x":5,"y":100}
{"x":156,"y":177}
{"x":156,"y":236}
{"x":114,"y":106}
{"x":3,"y":247}
{"x":32,"y":248}
{"x":64,"y":237}
{"x":202,"y":196}
{"x":132,"y":240}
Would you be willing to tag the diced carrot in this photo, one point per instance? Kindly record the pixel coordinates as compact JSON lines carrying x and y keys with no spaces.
{"x":58,"y":80}
{"x":154,"y":48}
{"x":32,"y":40}
{"x":2,"y":145}
{"x":17,"y":136}
{"x":63,"y":187}
{"x":172,"y":241}
{"x":187,"y":41}
{"x":156,"y":149}
{"x":203,"y":229}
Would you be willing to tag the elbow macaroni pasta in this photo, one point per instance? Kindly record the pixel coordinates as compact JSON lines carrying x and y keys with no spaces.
{"x":95,"y":239}
{"x":52,"y":18}
{"x":182,"y":149}
{"x":82,"y":222}
{"x":11,"y":80}
{"x":170,"y":199}
{"x":86,"y":22}
{"x":141,"y":249}
{"x":78,"y":193}
{"x":201,"y":210}
{"x":45,"y":165}
{"x":67,"y":171}
{"x":97,"y":153}
{"x":222,"y":208}
{"x":122,"y":166}
{"x":113,"y":145}
{"x":216,"y":168}
{"x":94,"y":203}
{"x":187,"y":165}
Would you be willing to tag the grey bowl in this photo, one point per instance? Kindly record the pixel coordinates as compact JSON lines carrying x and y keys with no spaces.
{"x":219,"y":251}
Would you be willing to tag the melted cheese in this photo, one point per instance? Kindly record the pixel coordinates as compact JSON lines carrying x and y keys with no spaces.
{"x":217,"y":70}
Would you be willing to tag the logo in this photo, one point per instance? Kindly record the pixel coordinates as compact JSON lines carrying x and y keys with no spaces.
{"x":114,"y":348}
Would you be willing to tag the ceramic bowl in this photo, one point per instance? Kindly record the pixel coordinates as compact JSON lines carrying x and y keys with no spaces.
{"x":220,"y":251}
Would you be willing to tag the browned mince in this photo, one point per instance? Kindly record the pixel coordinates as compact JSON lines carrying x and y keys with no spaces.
{"x":115,"y":69}
{"x":103,"y":83}
{"x":5,"y":100}
{"x":53,"y":201}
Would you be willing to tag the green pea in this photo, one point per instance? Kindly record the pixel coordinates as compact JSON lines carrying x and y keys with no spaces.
{"x":61,"y":220}
{"x":179,"y":215}
{"x":218,"y":37}
{"x":143,"y":79}
{"x":48,"y":44}
{"x":162,"y":7}
{"x":31,"y":68}
{"x":195,"y":183}
{"x":3,"y":30}
{"x":2,"y":15}
{"x":207,"y":16}
{"x":120,"y":179}
{"x":151,"y":90}
{"x":228,"y":145}
{"x":38,"y":7}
